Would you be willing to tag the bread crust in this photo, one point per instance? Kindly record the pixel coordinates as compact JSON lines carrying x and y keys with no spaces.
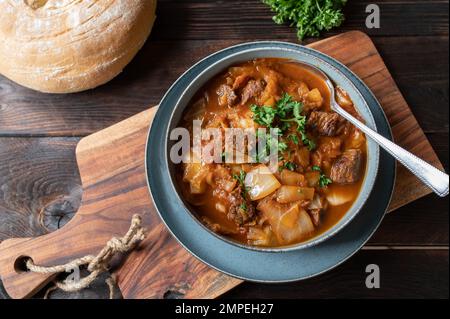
{"x":64,"y":46}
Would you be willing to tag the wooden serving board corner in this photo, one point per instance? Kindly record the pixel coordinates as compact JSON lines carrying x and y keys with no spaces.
{"x":112,"y":169}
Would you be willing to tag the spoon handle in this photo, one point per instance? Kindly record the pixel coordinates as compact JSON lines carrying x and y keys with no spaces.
{"x":432,"y":177}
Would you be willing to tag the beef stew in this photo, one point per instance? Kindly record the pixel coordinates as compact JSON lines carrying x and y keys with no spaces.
{"x":321,"y":157}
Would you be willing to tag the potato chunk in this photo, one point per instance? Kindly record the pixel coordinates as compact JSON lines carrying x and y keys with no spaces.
{"x":288,"y":194}
{"x":313,"y":99}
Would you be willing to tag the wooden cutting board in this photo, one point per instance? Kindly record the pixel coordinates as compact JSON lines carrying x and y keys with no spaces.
{"x":111,"y":164}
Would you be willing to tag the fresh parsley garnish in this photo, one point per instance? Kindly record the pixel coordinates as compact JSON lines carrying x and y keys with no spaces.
{"x":300,"y":120}
{"x":288,"y":165}
{"x":310,"y":17}
{"x":272,"y":140}
{"x":294,"y":138}
{"x":285,"y":112}
{"x":270,"y":116}
{"x":323,"y":180}
{"x":282,"y":146}
{"x":240,"y":177}
{"x":308,"y":142}
{"x":241,"y":180}
{"x":263,"y":115}
{"x":285,"y":105}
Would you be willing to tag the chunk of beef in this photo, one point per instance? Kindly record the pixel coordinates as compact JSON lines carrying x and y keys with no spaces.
{"x":328,"y":149}
{"x":240,"y":81}
{"x":272,"y":88}
{"x":316,"y":207}
{"x":217,"y":228}
{"x":324,"y":123}
{"x":252,"y":90}
{"x":227,"y":96}
{"x":315,"y":216}
{"x":347,"y":168}
{"x":241,"y":209}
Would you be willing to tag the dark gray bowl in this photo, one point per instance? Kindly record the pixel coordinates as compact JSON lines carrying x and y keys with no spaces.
{"x":313,"y":256}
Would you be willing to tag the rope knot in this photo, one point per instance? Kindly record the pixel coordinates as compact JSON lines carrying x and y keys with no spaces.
{"x":117,"y":244}
{"x":95,"y":264}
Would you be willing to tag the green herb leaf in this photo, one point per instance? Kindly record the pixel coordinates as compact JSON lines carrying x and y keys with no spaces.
{"x":279,"y":118}
{"x":289,"y":165}
{"x":323,"y":180}
{"x":241,"y":177}
{"x":294,"y":138}
{"x":310,"y":17}
{"x":241,"y":180}
{"x":263,"y":115}
{"x":282,"y":147}
{"x":300,"y":120}
{"x":310,"y":144}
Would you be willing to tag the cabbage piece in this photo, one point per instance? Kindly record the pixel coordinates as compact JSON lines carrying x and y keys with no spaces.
{"x":288,"y":194}
{"x":342,"y":98}
{"x":196,"y":175}
{"x":305,"y":224}
{"x":290,"y":223}
{"x":357,"y":139}
{"x":228,"y":185}
{"x":318,"y":202}
{"x":312,"y":178}
{"x":260,"y":182}
{"x":302,"y":156}
{"x":339,"y":196}
{"x":288,"y":177}
{"x":315,"y":208}
{"x":260,"y":236}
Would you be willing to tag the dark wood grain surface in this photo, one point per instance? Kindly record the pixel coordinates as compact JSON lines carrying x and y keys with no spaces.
{"x":40,"y":186}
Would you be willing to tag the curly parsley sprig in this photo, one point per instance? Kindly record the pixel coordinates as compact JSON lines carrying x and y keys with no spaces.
{"x":285,"y":112}
{"x":323,"y":180}
{"x":244,"y":190}
{"x":310,"y":17}
{"x":301,"y":125}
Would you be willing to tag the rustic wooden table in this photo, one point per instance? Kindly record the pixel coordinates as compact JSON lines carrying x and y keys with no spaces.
{"x":39,"y":181}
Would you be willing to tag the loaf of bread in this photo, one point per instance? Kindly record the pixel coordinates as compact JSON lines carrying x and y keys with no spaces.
{"x":63,"y":46}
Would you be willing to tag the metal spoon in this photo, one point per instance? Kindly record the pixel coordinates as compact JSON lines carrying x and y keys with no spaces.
{"x":432,"y":177}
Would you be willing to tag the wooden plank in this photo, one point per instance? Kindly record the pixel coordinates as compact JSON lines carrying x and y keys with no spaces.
{"x":423,"y":222}
{"x":238,"y":19}
{"x":422,"y":76}
{"x":111,"y":165}
{"x":403,"y":273}
{"x":40,"y":187}
{"x":439,"y":141}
